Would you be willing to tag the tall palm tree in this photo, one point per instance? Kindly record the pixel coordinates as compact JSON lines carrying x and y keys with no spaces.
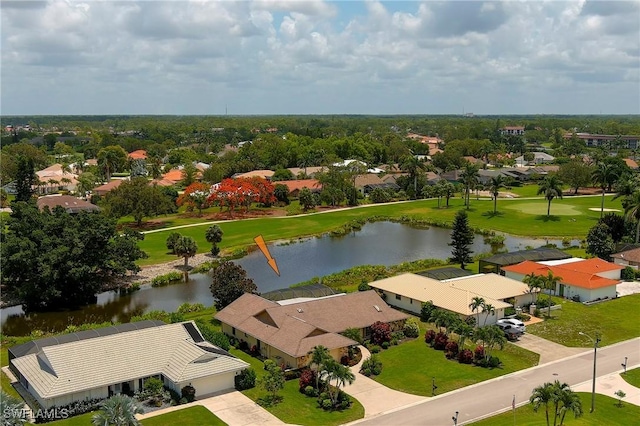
{"x":550,"y":283}
{"x":413,"y":166}
{"x":542,"y":395}
{"x":488,"y":309}
{"x":495,"y":184}
{"x":341,"y":374}
{"x":535,"y":283}
{"x":319,"y":356}
{"x":569,"y":401}
{"x":185,"y":247}
{"x":119,"y":410}
{"x":464,"y":332}
{"x":604,"y":175}
{"x":559,"y":389}
{"x":469,"y":177}
{"x":551,"y":187}
{"x":475,"y":305}
{"x":494,"y":337}
{"x":214,"y":236}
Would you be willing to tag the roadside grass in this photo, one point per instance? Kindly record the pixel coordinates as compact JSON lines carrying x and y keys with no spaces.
{"x":192,"y":416}
{"x":606,"y":413}
{"x":238,"y":234}
{"x":632,"y":377}
{"x":616,"y":320}
{"x":411,"y":366}
{"x":295,"y":407}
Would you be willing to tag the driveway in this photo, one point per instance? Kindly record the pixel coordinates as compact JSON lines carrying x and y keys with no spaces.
{"x":375,"y":397}
{"x":549,"y":351}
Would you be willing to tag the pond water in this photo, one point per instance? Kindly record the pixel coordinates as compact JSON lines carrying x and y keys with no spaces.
{"x":379,"y":243}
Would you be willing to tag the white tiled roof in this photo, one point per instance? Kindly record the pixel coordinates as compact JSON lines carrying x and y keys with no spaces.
{"x":98,"y":362}
{"x":493,"y":286}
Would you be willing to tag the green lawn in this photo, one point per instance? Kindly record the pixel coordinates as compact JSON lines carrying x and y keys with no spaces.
{"x":192,"y":416}
{"x":606,"y":413}
{"x":297,"y":408}
{"x":81,"y":420}
{"x":615,"y":320}
{"x":512,"y":218}
{"x":632,"y":377}
{"x":410,"y":367}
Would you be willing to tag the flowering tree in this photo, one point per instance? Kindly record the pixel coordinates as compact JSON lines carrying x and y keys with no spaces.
{"x":196,"y":196}
{"x":232,"y":193}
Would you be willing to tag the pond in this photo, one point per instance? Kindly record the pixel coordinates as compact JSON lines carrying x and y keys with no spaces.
{"x":379,"y":243}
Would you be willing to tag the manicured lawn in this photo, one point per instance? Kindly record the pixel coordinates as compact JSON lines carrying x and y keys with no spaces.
{"x":513,"y":219}
{"x":606,"y":413}
{"x":295,"y":407}
{"x":410,"y":367}
{"x":81,"y":420}
{"x":616,"y":320}
{"x":192,"y":416}
{"x":632,"y":377}
{"x":523,"y":191}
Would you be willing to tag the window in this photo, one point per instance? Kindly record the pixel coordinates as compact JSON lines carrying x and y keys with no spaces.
{"x":398,"y":297}
{"x":233,"y":331}
{"x":411,"y":301}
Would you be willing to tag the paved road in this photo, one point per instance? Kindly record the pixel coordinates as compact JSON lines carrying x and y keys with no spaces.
{"x":487,"y":398}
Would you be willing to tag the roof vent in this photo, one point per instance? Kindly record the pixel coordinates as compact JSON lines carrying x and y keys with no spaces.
{"x":300,"y":310}
{"x":377,"y":308}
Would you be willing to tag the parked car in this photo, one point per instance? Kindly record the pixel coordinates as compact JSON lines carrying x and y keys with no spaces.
{"x":514,"y":322}
{"x":510,"y":331}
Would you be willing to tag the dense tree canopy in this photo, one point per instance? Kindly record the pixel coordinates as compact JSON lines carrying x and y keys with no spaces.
{"x":229,"y":281}
{"x":138,"y":198}
{"x":56,"y":259}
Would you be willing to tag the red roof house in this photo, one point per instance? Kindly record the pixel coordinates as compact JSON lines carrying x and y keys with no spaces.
{"x":140,"y":154}
{"x":295,"y":186}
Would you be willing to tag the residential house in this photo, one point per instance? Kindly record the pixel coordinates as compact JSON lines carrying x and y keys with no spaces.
{"x":408,"y":291}
{"x":176,"y":176}
{"x":139,"y":154}
{"x":96,"y":364}
{"x":496,"y":262}
{"x":512,"y":130}
{"x":69,"y":203}
{"x":595,"y":140}
{"x":286,"y":332}
{"x":307,"y":172}
{"x":538,"y":158}
{"x":627,"y":258}
{"x":367,"y":183}
{"x":631,"y":163}
{"x":264,"y":174}
{"x":103,"y":189}
{"x":294,"y":186}
{"x":580,"y":279}
{"x":52,"y":177}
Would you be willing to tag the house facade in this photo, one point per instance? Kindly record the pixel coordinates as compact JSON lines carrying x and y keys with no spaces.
{"x":97,"y":364}
{"x":627,"y":258}
{"x":287,"y":332}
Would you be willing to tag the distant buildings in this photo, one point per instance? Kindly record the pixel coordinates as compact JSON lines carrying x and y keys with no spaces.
{"x":595,"y":140}
{"x":512,"y":130}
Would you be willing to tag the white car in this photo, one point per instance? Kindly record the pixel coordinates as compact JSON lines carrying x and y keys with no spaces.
{"x":519,"y":325}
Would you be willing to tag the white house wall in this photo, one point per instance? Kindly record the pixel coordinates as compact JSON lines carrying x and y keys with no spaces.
{"x":211,"y":384}
{"x":406,"y":303}
{"x":614,"y":275}
{"x":587,"y":295}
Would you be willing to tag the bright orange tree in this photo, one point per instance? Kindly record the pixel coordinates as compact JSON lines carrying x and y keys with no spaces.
{"x":196,"y":196}
{"x":232,"y":193}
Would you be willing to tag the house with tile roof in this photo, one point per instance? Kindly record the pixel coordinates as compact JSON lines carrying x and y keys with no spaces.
{"x":139,"y":154}
{"x":627,"y":258}
{"x":103,"y":189}
{"x":294,"y":186}
{"x":96,"y":364}
{"x":264,"y":174}
{"x":286,"y":332}
{"x":69,"y":203}
{"x":583,"y":279}
{"x":309,"y":172}
{"x":408,"y":291}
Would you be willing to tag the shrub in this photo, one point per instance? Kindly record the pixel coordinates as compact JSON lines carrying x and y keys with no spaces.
{"x":465,"y":356}
{"x":246,"y":379}
{"x":411,"y":328}
{"x":175,"y":317}
{"x":440,"y":341}
{"x":243,"y":346}
{"x":307,"y":378}
{"x":185,"y":308}
{"x":478,"y":353}
{"x":429,"y":336}
{"x":254,"y":350}
{"x":397,"y":335}
{"x":523,"y":317}
{"x":310,"y":391}
{"x":426,"y":310}
{"x":153,"y":386}
{"x":353,"y":334}
{"x":374,"y":349}
{"x":212,"y":335}
{"x":509,"y":311}
{"x":494,"y":362}
{"x":364,"y":286}
{"x":291,"y":375}
{"x":166,"y":279}
{"x":385,"y":345}
{"x":371,"y":366}
{"x":344,"y":360}
{"x":183,"y":401}
{"x":451,"y":350}
{"x":628,"y":274}
{"x":188,"y":392}
{"x":326,"y":404}
{"x":380,"y":332}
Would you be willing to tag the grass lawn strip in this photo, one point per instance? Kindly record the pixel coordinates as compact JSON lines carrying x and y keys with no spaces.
{"x":410,"y":367}
{"x":616,"y":320}
{"x":606,"y":413}
{"x":632,"y":377}
{"x":192,"y":416}
{"x":511,"y":220}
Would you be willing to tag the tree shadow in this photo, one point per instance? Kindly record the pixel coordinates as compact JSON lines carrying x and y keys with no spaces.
{"x":491,"y":214}
{"x":546,"y":218}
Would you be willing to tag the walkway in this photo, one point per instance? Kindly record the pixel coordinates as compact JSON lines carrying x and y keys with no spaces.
{"x":610,"y":384}
{"x":375,"y":397}
{"x":233,"y":408}
{"x":549,"y":351}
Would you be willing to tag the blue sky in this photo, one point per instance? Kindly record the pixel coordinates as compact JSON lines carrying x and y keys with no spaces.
{"x":316,"y":57}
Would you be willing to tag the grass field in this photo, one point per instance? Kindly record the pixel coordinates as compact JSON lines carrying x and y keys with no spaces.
{"x":616,"y":320}
{"x":410,"y":367}
{"x":606,"y":413}
{"x":513,"y":218}
{"x":192,"y":416}
{"x":632,"y":377}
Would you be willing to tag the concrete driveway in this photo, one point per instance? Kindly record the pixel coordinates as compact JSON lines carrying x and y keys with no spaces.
{"x":549,"y":351}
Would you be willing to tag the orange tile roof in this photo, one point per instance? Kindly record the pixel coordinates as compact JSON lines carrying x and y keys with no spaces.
{"x":140,"y":154}
{"x":103,"y":189}
{"x":175,"y":175}
{"x":631,"y":163}
{"x":579,"y":274}
{"x":298,"y":184}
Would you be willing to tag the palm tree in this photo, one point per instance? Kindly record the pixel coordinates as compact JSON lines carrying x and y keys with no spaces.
{"x":550,"y":283}
{"x":341,"y":374}
{"x":495,"y":184}
{"x":542,"y":395}
{"x":488,"y":309}
{"x":12,"y":409}
{"x":569,"y":401}
{"x":604,"y":174}
{"x":475,"y":305}
{"x":119,"y":410}
{"x":53,"y":182}
{"x":469,"y":177}
{"x":214,"y":236}
{"x":110,"y":158}
{"x":413,"y":166}
{"x":535,"y":283}
{"x":185,"y":247}
{"x":464,"y":332}
{"x":551,"y":187}
{"x":319,"y":357}
{"x":494,"y":337}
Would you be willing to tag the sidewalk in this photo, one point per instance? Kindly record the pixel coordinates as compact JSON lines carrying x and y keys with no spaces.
{"x":610,"y":384}
{"x":375,"y":397}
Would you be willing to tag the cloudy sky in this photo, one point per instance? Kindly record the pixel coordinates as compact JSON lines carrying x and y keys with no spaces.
{"x":319,"y":57}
